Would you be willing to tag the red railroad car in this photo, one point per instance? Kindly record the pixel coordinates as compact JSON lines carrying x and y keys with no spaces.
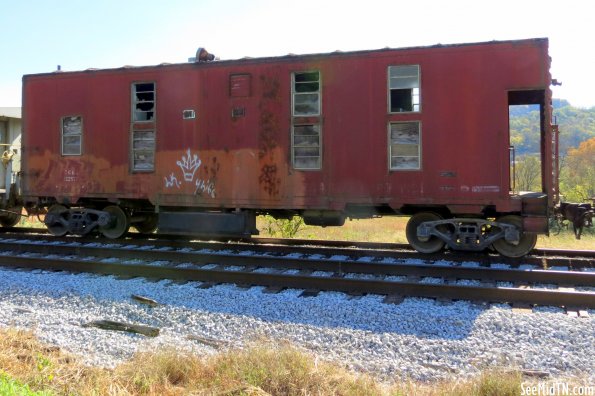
{"x":203,"y":147}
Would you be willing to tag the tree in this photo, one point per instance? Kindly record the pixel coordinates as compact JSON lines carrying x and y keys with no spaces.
{"x":528,"y":174}
{"x":577,"y":176}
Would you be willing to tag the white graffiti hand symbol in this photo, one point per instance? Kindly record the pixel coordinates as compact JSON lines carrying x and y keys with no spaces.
{"x":189,"y":164}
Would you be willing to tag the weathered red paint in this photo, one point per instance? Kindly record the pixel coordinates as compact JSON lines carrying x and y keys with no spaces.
{"x":242,"y":130}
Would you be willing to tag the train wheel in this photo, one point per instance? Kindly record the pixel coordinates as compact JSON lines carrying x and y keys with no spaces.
{"x":12,"y":217}
{"x":147,"y":226}
{"x":526,"y":243}
{"x":56,"y":228}
{"x":423,"y":245}
{"x":119,"y":224}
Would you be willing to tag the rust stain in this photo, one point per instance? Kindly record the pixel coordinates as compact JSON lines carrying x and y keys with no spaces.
{"x":270,"y":87}
{"x":211,"y":169}
{"x":57,"y":175}
{"x":238,"y":178}
{"x":268,"y":132}
{"x":268,"y":136}
{"x":269,"y":180}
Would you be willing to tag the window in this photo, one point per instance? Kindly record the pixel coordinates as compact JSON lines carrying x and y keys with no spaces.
{"x":306,"y":147}
{"x":143,"y":150}
{"x":188,"y":114}
{"x":306,"y":94}
{"x":72,"y":135}
{"x":404,"y":143}
{"x":403,"y":86}
{"x":143,"y":102}
{"x":306,"y":152}
{"x":3,"y":131}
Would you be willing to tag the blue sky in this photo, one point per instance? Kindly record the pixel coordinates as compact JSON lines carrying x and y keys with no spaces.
{"x":36,"y":36}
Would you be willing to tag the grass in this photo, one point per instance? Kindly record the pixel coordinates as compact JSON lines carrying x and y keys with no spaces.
{"x":565,"y":240}
{"x":28,"y":367}
{"x":259,"y":369}
{"x":9,"y":386}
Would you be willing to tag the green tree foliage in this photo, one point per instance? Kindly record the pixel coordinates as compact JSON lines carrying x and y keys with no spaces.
{"x":524,"y":129}
{"x":528,"y":174}
{"x":285,"y":228}
{"x":577,"y":173}
{"x":577,"y":149}
{"x":576,"y":125}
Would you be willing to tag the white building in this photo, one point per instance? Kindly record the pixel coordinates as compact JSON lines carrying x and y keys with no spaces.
{"x":10,"y":140}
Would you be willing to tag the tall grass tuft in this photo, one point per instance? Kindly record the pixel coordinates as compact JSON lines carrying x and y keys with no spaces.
{"x":258,"y":369}
{"x":30,"y":368}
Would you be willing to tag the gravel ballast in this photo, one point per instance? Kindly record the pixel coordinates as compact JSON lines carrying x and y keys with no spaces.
{"x":419,"y":339}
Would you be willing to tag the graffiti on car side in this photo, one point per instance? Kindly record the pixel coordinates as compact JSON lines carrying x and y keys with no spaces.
{"x":189,"y":164}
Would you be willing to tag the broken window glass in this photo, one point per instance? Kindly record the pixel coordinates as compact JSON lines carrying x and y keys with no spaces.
{"x":143,"y":106}
{"x":405,"y":146}
{"x":72,"y":135}
{"x":403,"y":84}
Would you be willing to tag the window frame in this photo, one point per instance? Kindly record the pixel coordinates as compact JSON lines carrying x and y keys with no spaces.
{"x":133,"y":169}
{"x":294,"y":93}
{"x":419,"y":147}
{"x":389,"y":90}
{"x":293,"y":146}
{"x":134,"y":101}
{"x":62,"y":136}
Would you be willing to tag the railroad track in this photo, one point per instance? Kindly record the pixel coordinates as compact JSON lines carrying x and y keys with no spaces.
{"x":543,"y":258}
{"x":356,"y":275}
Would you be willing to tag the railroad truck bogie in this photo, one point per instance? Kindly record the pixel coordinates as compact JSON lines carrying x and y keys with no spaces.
{"x":428,"y":233}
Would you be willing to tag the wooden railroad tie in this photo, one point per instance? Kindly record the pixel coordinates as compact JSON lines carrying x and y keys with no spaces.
{"x":145,"y":300}
{"x":128,"y":327}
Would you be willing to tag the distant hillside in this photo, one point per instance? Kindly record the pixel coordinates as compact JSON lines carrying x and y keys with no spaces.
{"x":576,"y":125}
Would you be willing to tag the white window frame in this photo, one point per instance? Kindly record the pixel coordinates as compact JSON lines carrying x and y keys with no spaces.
{"x":391,"y":144}
{"x":394,"y":80}
{"x":79,"y":134}
{"x":295,"y":94}
{"x":134,"y":150}
{"x":293,"y":147}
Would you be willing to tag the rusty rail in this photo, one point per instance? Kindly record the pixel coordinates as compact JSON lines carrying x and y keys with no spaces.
{"x":455,"y":292}
{"x":340,"y":267}
{"x":309,"y":282}
{"x":541,"y":257}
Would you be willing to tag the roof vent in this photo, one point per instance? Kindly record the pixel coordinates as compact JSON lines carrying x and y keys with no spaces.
{"x":202,"y":55}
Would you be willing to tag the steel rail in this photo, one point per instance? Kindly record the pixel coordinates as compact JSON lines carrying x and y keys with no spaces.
{"x":533,"y":276}
{"x":390,"y":246}
{"x":582,"y":259}
{"x":446,"y":291}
